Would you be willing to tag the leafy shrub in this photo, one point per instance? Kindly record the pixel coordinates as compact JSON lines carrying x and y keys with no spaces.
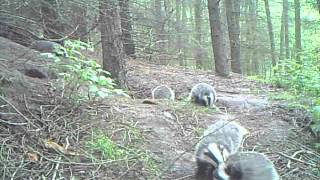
{"x":303,"y":79}
{"x":83,"y":76}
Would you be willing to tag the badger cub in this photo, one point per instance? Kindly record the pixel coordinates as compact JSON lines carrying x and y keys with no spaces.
{"x":163,"y":92}
{"x":247,"y":166}
{"x":203,"y":94}
{"x":217,"y":143}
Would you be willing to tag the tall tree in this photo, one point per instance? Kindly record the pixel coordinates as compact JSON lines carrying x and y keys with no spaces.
{"x":126,"y":26}
{"x":233,"y":14}
{"x":297,"y":29}
{"x":112,"y":47}
{"x":284,"y":44}
{"x":270,"y":30}
{"x":219,"y":50}
{"x":158,"y":24}
{"x":178,"y":30}
{"x":198,"y":34}
{"x":286,"y":28}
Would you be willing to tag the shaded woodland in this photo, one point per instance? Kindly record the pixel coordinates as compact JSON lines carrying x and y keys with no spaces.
{"x":74,"y":76}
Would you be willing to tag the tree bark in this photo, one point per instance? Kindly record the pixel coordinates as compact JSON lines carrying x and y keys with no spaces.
{"x":198,"y":36}
{"x":112,"y":47}
{"x":233,"y":14}
{"x":219,"y":50}
{"x":286,"y":28}
{"x":178,"y":31}
{"x":297,"y":30}
{"x":270,"y":30}
{"x":126,"y":26}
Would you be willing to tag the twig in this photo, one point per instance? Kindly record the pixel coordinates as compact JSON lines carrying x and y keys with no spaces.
{"x":12,"y":123}
{"x":298,"y":160}
{"x":5,"y":100}
{"x":56,"y":169}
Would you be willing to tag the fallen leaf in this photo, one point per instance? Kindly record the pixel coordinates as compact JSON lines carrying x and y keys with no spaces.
{"x":57,"y":147}
{"x":32,"y":157}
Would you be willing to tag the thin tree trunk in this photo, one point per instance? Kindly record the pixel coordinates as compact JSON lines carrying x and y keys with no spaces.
{"x":185,"y":38}
{"x":112,"y":47}
{"x":233,"y":13}
{"x":219,"y":50}
{"x":286,"y":28}
{"x":178,"y":31}
{"x":126,"y":26}
{"x":253,"y":16}
{"x":158,"y":25}
{"x":297,"y":29}
{"x":281,"y":56}
{"x":198,"y":36}
{"x":271,"y":36}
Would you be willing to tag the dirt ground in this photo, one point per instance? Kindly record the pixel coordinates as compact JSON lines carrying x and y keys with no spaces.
{"x":33,"y":111}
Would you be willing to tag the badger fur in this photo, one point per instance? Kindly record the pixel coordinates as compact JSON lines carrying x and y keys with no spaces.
{"x":163,"y":92}
{"x":219,"y":141}
{"x":203,"y":94}
{"x":247,"y":166}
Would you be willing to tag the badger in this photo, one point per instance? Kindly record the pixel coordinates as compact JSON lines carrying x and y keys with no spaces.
{"x":246,"y":166}
{"x":203,"y":94}
{"x":219,"y":140}
{"x":163,"y":92}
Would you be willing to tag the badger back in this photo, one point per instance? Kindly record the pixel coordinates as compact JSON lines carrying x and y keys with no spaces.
{"x":163,"y":92}
{"x":250,"y":166}
{"x":228,"y":134}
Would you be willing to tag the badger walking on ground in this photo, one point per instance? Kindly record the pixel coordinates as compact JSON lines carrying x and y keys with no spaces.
{"x":163,"y":92}
{"x":246,"y":166}
{"x":220,"y":140}
{"x":203,"y":94}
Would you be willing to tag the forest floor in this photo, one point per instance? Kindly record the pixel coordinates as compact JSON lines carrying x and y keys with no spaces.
{"x":43,"y":135}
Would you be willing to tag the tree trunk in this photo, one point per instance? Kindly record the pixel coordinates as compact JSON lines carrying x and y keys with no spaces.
{"x":233,"y":14}
{"x":219,"y":50}
{"x":297,"y":30}
{"x":286,"y":28}
{"x":178,"y":31}
{"x":53,"y":27}
{"x":126,"y":26}
{"x":281,"y":56}
{"x":158,"y":25}
{"x":271,"y":36}
{"x":185,"y":38}
{"x":318,"y":4}
{"x":198,"y":37}
{"x":112,"y":47}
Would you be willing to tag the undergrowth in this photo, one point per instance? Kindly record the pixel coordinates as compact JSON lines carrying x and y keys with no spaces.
{"x":102,"y":146}
{"x":301,"y":84}
{"x":80,"y":77}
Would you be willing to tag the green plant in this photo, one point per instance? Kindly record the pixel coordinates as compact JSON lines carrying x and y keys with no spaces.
{"x":103,"y":144}
{"x":83,"y":76}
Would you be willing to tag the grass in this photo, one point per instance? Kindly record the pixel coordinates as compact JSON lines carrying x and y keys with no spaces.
{"x":101,"y":146}
{"x":184,"y":105}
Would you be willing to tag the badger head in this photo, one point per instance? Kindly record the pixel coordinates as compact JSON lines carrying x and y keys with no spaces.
{"x":210,"y":160}
{"x":207,"y":99}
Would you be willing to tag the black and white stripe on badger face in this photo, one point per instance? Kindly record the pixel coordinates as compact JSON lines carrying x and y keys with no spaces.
{"x":218,"y":154}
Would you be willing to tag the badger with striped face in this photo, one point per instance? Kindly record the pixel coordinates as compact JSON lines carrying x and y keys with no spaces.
{"x":203,"y":94}
{"x":218,"y":142}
